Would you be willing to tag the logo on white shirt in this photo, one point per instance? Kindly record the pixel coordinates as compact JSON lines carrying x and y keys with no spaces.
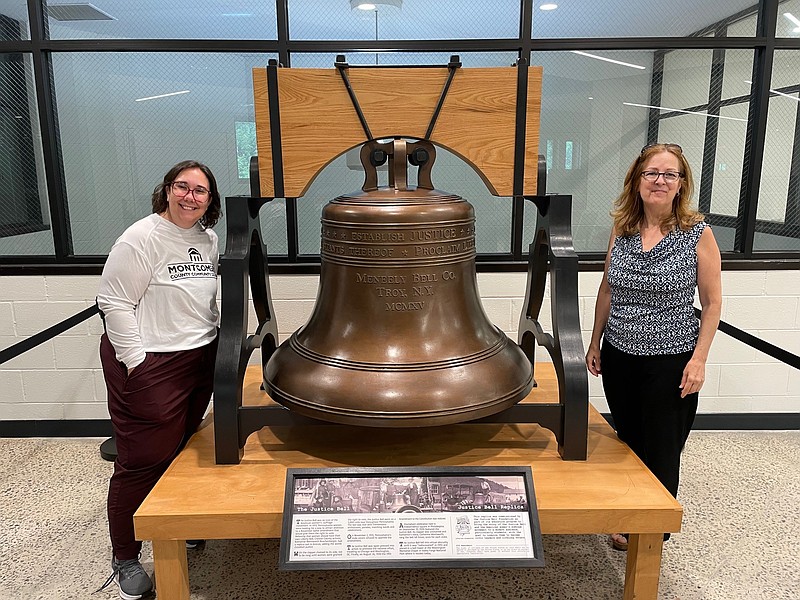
{"x":194,"y":269}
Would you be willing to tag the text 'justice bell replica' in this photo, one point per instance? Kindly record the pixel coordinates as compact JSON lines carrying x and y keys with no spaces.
{"x":398,"y":336}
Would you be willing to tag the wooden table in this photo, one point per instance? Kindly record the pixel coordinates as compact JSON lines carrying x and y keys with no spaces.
{"x":611,"y":491}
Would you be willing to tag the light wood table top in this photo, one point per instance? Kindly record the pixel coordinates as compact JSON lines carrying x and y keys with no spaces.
{"x":610,"y":491}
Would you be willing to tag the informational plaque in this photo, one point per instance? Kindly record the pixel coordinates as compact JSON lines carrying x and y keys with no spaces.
{"x":409,"y":517}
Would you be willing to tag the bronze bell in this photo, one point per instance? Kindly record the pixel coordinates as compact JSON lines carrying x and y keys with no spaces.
{"x":398,"y":336}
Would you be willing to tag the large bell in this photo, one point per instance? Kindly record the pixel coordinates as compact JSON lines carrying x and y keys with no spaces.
{"x":398,"y":336}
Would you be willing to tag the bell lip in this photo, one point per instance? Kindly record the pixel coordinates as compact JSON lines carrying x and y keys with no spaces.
{"x":408,"y":419}
{"x":321,"y":402}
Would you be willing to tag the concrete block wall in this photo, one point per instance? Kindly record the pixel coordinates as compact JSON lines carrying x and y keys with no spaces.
{"x":62,"y":379}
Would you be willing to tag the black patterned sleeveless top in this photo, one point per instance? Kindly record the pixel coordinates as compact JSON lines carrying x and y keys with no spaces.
{"x":652,"y":294}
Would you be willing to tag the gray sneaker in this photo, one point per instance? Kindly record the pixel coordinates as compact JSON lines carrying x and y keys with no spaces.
{"x":130,"y":578}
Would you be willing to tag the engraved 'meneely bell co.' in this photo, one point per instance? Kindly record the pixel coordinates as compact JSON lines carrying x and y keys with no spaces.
{"x":398,"y":336}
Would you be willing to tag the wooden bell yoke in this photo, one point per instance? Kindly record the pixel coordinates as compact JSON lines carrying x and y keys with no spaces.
{"x":489,"y":117}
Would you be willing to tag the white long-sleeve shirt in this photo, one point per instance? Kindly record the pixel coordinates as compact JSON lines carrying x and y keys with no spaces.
{"x":158,"y":289}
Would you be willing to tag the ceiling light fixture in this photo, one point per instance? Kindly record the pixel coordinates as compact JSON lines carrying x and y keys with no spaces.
{"x":611,"y":60}
{"x":794,"y":20}
{"x":162,"y":96}
{"x":688,"y":112}
{"x":548,"y":6}
{"x":375,"y":4}
{"x":785,"y":95}
{"x":77,"y":12}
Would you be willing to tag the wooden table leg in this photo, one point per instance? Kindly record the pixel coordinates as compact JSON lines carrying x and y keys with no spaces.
{"x":172,"y":569}
{"x":644,"y":566}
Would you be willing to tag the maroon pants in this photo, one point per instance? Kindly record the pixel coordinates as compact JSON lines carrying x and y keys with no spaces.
{"x":153,"y":412}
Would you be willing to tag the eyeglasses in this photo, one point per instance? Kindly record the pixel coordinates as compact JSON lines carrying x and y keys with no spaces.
{"x":182,"y":189}
{"x":669,"y":176}
{"x":666,"y":146}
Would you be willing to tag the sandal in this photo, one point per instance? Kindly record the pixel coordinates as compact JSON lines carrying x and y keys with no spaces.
{"x":619,"y":541}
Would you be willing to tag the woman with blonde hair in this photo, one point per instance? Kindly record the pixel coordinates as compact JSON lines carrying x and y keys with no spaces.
{"x":654,"y":349}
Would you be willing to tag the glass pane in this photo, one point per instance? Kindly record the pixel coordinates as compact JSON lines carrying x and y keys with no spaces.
{"x":177,"y":19}
{"x":273,"y":227}
{"x":782,"y":227}
{"x":728,"y":167}
{"x":687,"y":130}
{"x":24,"y":215}
{"x":745,"y":27}
{"x":737,"y":73}
{"x":784,"y":71}
{"x":686,"y":78}
{"x":589,"y":18}
{"x":341,"y":176}
{"x":788,"y":24}
{"x":777,"y":214}
{"x":403,"y":19}
{"x":14,"y":20}
{"x":326,"y":60}
{"x":492,"y":213}
{"x":126,"y":118}
{"x":776,"y":168}
{"x":729,"y":159}
{"x":530,"y":221}
{"x":599,"y":110}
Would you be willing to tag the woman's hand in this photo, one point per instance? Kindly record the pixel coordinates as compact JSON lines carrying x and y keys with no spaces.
{"x":694,"y":375}
{"x":593,"y":360}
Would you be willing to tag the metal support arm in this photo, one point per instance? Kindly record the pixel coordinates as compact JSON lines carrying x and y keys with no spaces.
{"x":552,"y":252}
{"x":242,"y":268}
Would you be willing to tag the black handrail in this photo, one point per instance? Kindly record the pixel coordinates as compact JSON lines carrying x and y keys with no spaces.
{"x":47,"y":334}
{"x":769,"y":349}
{"x":7,"y":354}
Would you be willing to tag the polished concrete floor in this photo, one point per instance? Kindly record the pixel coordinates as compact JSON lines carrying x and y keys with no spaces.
{"x":740,"y":538}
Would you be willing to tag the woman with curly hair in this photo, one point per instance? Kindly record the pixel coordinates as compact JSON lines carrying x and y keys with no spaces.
{"x":158,"y":301}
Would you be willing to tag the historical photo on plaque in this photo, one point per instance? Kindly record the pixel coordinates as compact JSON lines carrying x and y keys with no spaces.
{"x":362,"y":518}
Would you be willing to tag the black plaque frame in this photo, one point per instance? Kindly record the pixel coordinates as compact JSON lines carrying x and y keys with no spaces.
{"x":380,"y":472}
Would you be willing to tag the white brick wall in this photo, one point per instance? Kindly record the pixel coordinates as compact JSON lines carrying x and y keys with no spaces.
{"x":61,"y":379}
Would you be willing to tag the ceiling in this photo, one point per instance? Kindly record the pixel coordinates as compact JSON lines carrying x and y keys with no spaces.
{"x":418,"y":19}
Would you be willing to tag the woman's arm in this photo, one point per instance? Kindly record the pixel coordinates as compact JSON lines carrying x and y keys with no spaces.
{"x":602,"y":308}
{"x":709,"y":286}
{"x":125,"y":278}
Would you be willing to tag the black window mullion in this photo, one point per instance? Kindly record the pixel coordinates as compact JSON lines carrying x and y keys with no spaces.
{"x":518,"y":202}
{"x":757,"y":129}
{"x":282,"y":18}
{"x":51,"y":137}
{"x":656,"y":85}
{"x":712,"y":130}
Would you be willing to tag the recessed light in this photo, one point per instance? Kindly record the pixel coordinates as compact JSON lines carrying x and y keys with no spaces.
{"x":375,"y":4}
{"x":548,"y":6}
{"x":611,"y":60}
{"x":162,"y":96}
{"x":792,"y":18}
